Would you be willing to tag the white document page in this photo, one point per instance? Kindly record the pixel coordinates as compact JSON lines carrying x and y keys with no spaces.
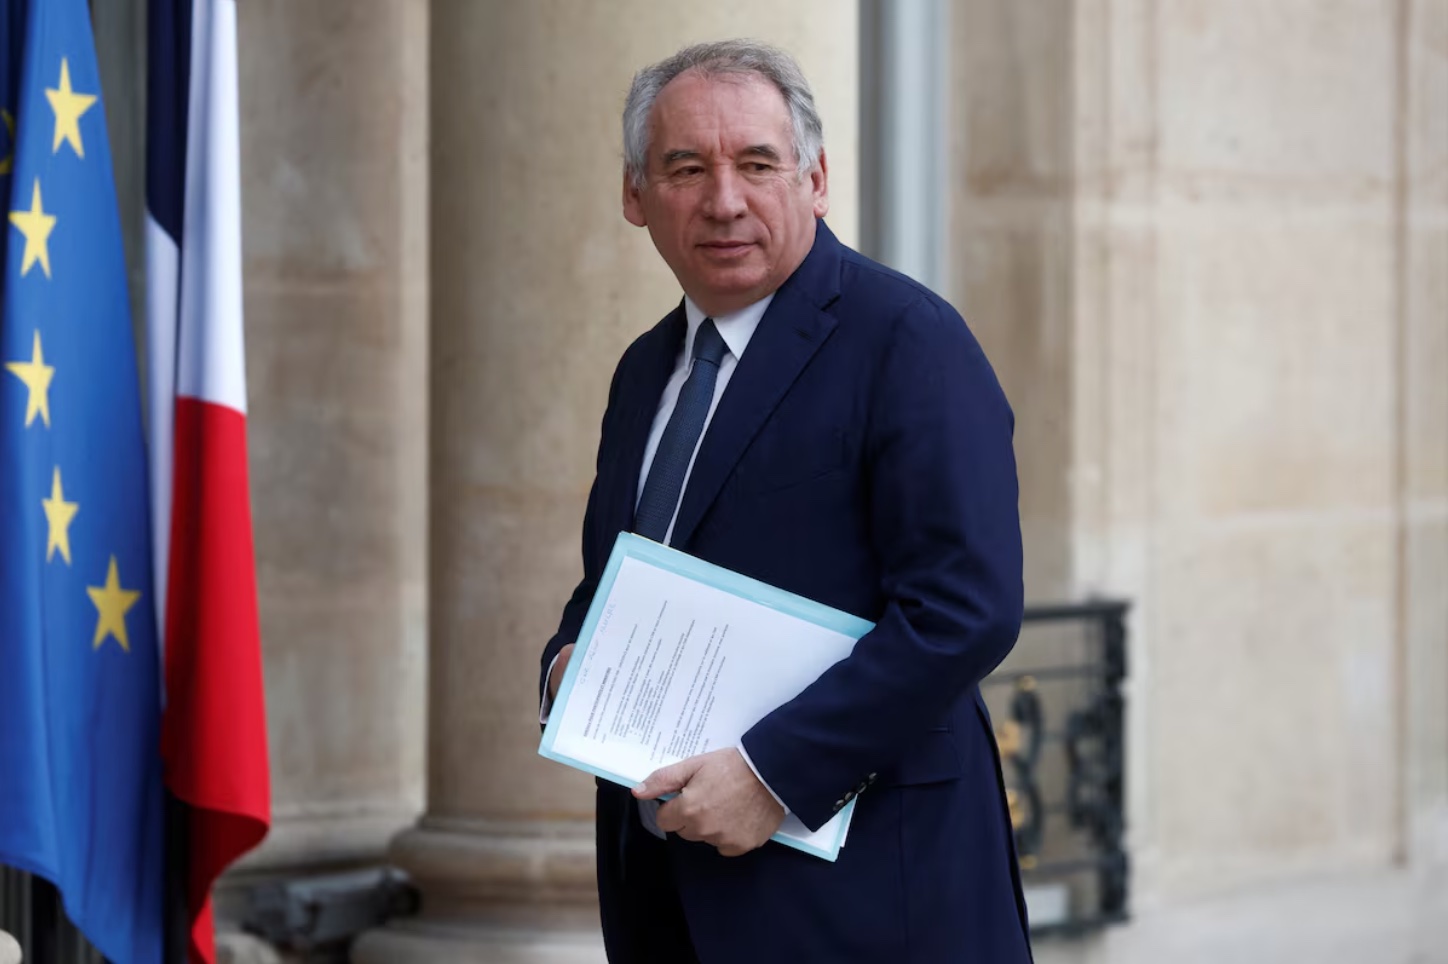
{"x":676,"y":667}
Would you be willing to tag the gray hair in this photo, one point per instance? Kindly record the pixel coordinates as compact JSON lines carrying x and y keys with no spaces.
{"x":716,"y":59}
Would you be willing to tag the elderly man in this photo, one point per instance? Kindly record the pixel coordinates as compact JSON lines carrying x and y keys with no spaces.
{"x":812,"y":419}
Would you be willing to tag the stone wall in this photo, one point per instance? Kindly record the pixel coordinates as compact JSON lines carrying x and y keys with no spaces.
{"x":1205,"y":244}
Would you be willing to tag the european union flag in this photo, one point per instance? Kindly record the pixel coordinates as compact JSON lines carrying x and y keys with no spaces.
{"x":80,"y":775}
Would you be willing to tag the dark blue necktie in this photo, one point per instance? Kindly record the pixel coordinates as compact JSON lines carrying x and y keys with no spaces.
{"x":666,"y":481}
{"x":681,"y":436}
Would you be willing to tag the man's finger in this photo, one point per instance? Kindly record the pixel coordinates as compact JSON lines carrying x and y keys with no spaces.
{"x":669,"y":779}
{"x":670,"y":817}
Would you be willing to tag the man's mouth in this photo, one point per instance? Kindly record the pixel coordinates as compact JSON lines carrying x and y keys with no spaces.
{"x":726,"y":248}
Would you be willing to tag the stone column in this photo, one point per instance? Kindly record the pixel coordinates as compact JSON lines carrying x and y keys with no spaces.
{"x":334,"y":165}
{"x":537,"y":284}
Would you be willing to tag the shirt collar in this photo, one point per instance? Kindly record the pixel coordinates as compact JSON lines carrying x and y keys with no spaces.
{"x":735,"y":328}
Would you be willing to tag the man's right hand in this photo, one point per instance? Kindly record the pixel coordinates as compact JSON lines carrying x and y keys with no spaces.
{"x":556,"y":676}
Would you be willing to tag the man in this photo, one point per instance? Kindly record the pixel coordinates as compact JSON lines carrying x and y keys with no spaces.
{"x":814,"y":420}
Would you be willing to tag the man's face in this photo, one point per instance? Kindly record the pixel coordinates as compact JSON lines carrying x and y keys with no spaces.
{"x":722,"y":199}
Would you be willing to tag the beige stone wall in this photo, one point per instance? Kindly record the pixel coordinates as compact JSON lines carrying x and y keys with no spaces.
{"x":334,"y":187}
{"x":1422,"y":283}
{"x":1245,"y":194}
{"x":1011,"y":182}
{"x":1206,"y":245}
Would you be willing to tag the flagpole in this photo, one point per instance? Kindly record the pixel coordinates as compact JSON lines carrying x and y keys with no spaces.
{"x":177,"y":925}
{"x":44,"y":920}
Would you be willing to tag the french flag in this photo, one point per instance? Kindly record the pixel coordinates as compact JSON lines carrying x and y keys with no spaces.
{"x":213,"y":731}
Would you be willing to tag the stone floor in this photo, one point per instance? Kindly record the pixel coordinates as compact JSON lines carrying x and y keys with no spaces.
{"x":1386,"y":917}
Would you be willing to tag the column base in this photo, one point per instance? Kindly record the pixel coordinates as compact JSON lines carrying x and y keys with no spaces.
{"x":494,"y":892}
{"x":1428,"y":838}
{"x":416,"y":942}
{"x":234,"y":948}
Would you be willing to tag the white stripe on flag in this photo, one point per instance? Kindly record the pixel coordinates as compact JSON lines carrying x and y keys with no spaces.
{"x":211,"y":364}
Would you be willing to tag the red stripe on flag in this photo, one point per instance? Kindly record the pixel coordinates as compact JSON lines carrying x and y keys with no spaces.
{"x":213,"y":733}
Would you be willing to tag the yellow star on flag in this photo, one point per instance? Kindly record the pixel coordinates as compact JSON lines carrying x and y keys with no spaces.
{"x":68,"y":106}
{"x":59,"y":514}
{"x":112,"y":602}
{"x":36,"y":375}
{"x":36,"y":225}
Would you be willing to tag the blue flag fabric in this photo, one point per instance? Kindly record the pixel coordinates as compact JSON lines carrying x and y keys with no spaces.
{"x":80,"y":772}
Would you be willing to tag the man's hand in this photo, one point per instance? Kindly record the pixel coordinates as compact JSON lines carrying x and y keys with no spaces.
{"x":720,"y":802}
{"x":555,"y":676}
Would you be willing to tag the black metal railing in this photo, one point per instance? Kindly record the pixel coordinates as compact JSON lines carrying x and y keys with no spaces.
{"x":1059,"y":715}
{"x":31,"y":911}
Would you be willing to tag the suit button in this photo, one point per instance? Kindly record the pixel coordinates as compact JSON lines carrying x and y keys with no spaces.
{"x":865,"y":785}
{"x":850,"y":795}
{"x":839,"y":805}
{"x":874,"y":777}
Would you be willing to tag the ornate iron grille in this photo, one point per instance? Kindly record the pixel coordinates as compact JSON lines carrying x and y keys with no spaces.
{"x":1058,"y":710}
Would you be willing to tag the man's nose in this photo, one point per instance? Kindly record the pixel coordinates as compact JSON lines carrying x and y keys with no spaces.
{"x":725,"y":198}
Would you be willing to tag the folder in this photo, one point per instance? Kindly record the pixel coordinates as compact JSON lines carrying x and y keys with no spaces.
{"x":678,"y":657}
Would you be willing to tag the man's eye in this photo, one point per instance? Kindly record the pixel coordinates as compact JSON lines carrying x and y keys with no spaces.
{"x":758,"y":167}
{"x":691,"y":171}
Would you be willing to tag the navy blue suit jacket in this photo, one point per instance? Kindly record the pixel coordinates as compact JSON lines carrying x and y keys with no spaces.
{"x":860,"y":456}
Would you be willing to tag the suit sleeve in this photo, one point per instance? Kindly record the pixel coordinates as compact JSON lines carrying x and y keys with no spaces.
{"x":576,"y":608}
{"x":945,"y":527}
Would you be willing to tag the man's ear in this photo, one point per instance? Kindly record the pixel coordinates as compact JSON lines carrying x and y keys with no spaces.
{"x":819,"y":177}
{"x":633,"y":205}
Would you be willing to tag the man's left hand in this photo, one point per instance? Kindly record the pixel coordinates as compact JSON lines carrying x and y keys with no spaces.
{"x":720,"y":802}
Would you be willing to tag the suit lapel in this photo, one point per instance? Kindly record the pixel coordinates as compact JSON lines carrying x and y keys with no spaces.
{"x":789,"y":334}
{"x":639,"y":389}
{"x":778,"y":352}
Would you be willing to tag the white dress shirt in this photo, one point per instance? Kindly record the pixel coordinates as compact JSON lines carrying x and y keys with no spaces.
{"x":736,"y":329}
